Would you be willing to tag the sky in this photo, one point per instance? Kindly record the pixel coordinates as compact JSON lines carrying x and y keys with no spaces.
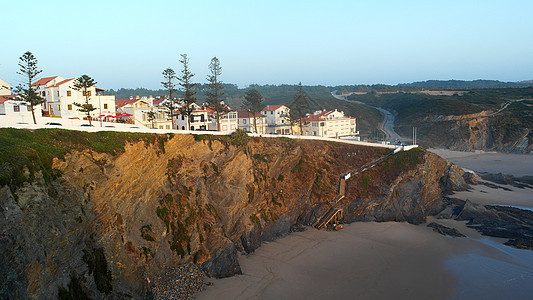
{"x":129,"y":43}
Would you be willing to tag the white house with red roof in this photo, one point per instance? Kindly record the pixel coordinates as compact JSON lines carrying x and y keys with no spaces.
{"x":277,"y":119}
{"x":16,"y":111}
{"x":333,"y":124}
{"x":137,"y":110}
{"x":245,"y":120}
{"x":60,"y":98}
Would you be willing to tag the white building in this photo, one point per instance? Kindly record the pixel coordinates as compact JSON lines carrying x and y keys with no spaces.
{"x":277,"y":119}
{"x":228,"y":122}
{"x":199,"y":119}
{"x":137,"y":110}
{"x":60,"y":98}
{"x":5,"y":88}
{"x":333,"y":124}
{"x":246,"y":122}
{"x":18,"y":111}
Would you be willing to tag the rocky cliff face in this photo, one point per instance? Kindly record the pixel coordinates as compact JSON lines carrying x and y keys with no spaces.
{"x":111,"y":222}
{"x":502,"y":132}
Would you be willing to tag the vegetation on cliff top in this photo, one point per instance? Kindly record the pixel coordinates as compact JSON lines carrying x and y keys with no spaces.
{"x":35,"y":150}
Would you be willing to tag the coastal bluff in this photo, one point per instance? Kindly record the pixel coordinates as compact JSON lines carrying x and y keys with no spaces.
{"x":84,"y":220}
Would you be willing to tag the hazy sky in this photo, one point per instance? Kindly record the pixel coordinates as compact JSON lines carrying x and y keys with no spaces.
{"x":129,"y":43}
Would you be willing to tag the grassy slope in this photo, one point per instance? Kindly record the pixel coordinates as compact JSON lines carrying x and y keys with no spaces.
{"x":36,"y":149}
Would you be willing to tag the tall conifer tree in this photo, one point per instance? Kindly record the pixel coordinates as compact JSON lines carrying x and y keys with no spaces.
{"x":214,"y":92}
{"x":83,"y":84}
{"x":253,"y":104}
{"x":187,"y":89}
{"x":169,"y":76}
{"x":26,"y":93}
{"x":299,"y":108}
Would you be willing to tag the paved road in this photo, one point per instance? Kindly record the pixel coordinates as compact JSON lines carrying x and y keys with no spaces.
{"x":387,"y":126}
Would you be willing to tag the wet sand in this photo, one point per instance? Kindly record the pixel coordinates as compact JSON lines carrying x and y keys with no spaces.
{"x":520,"y":197}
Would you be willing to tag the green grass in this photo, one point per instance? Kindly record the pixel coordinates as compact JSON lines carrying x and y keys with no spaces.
{"x":35,"y":150}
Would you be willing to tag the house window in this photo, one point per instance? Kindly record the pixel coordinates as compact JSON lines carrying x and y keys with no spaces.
{"x":44,"y":93}
{"x":271,"y":112}
{"x":182,"y":117}
{"x":144,"y":117}
{"x":87,"y":93}
{"x":244,"y":121}
{"x":167,"y":127}
{"x":69,"y":106}
{"x":69,"y":93}
{"x":105,"y":105}
{"x":16,"y":108}
{"x":58,"y":93}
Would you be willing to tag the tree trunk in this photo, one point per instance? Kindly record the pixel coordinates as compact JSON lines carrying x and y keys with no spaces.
{"x":255,"y":123}
{"x":33,"y":115}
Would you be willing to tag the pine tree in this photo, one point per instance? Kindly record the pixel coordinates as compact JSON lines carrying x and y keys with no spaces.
{"x":299,"y":108}
{"x":26,"y":93}
{"x":252,"y":103}
{"x":188,"y":90}
{"x":151,"y":117}
{"x":83,"y":84}
{"x":169,"y":75}
{"x":214,"y":92}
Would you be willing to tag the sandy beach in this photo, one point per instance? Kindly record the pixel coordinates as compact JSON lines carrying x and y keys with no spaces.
{"x":379,"y":261}
{"x":363,"y":261}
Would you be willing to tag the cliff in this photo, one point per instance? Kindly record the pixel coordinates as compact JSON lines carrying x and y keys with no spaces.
{"x":99,"y":224}
{"x":509,"y":131}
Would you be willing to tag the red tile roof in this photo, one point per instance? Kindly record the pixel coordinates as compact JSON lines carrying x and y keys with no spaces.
{"x":123,"y":102}
{"x":4,"y":98}
{"x":44,"y":81}
{"x":271,"y":107}
{"x":62,"y":82}
{"x":158,"y":101}
{"x":245,"y":114}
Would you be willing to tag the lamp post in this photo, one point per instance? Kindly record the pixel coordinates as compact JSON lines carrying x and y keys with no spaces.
{"x":100,"y":105}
